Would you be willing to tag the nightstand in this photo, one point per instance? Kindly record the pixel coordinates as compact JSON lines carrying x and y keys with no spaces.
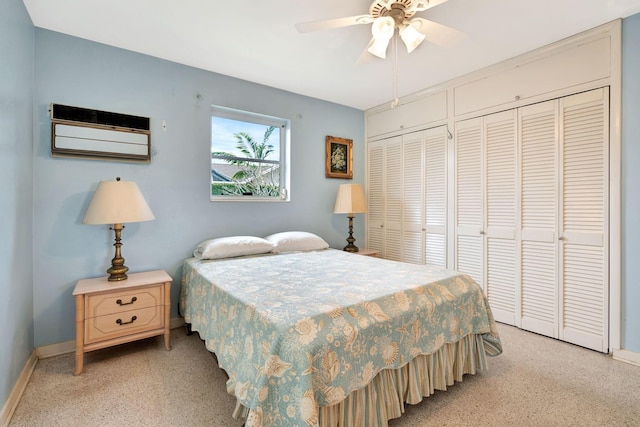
{"x":112,"y":313}
{"x":367,"y":252}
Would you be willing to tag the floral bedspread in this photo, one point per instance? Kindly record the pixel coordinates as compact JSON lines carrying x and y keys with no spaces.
{"x":300,"y":330}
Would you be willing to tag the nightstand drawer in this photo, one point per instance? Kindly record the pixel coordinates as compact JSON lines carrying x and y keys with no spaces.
{"x":118,"y":324}
{"x":113,"y":303}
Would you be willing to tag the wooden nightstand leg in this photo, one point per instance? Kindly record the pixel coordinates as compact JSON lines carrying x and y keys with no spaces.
{"x":79,"y":334}
{"x":167,"y":340}
{"x":167,"y":315}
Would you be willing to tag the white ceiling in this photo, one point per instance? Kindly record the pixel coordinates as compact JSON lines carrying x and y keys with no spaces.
{"x":257,"y":40}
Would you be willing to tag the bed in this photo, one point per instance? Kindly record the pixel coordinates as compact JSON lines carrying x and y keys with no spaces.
{"x":329,"y":338}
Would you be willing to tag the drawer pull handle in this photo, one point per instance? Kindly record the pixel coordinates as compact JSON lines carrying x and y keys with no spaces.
{"x":134,"y":299}
{"x":120,"y":322}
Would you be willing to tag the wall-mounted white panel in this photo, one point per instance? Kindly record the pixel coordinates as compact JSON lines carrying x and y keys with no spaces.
{"x":411,"y":115}
{"x":78,"y":138}
{"x":581,"y":64}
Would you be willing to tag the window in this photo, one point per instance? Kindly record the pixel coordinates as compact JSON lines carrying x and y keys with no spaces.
{"x":249,"y":156}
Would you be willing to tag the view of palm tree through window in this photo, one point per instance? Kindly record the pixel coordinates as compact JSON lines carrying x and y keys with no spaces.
{"x":245,"y":158}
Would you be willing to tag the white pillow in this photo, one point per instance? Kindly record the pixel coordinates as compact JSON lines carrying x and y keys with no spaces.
{"x":227,"y":247}
{"x":290,"y":241}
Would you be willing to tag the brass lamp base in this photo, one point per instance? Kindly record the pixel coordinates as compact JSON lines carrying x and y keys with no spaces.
{"x":117,"y":274}
{"x":118,"y":270}
{"x":351,"y":247}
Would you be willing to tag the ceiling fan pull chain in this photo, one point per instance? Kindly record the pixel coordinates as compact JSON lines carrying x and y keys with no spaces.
{"x":395,"y":101}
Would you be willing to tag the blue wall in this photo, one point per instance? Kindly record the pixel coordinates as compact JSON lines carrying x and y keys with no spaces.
{"x":631,"y":184}
{"x":81,"y":73}
{"x":43,"y":199}
{"x":16,"y":192}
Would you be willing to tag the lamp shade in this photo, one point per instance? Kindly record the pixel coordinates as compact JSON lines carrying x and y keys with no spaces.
{"x":350,"y":199}
{"x":411,"y":37}
{"x":382,"y":30}
{"x":117,"y":202}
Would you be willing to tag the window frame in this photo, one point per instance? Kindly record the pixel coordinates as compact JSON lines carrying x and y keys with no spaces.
{"x":284,"y":152}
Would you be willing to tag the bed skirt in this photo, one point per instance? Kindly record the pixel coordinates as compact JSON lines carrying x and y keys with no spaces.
{"x":384,"y":397}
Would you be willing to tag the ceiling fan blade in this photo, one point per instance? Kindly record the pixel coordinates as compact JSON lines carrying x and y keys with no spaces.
{"x":439,"y":34}
{"x":366,"y":57}
{"x":306,"y":27}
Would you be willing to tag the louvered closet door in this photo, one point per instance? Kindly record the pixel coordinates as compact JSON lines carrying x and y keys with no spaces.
{"x":539,"y":196}
{"x":501,"y":214}
{"x":393,"y":184}
{"x":375,"y":196}
{"x":469,"y":190}
{"x":412,"y":212}
{"x":584,"y":219}
{"x":435,"y":195}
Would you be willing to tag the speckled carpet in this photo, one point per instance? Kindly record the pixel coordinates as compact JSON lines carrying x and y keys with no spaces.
{"x":537,"y":381}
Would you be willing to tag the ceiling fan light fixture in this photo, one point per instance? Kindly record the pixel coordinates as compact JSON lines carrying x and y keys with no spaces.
{"x":383,"y":27}
{"x":378,"y":47}
{"x":382,"y":30}
{"x":411,"y":37}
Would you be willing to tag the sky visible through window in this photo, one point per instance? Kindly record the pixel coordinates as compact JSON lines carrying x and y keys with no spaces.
{"x":223,"y":131}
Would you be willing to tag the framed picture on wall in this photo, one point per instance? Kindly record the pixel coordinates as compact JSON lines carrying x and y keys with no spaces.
{"x":339,"y":157}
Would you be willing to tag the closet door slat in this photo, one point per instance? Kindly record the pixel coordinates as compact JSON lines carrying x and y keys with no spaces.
{"x":539,"y":195}
{"x":375,"y":197}
{"x":469,"y":190}
{"x":501,"y":214}
{"x":413,"y":192}
{"x":435,"y":195}
{"x":583,"y":219}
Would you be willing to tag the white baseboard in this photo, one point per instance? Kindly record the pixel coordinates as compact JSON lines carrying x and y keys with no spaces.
{"x":627,"y":356}
{"x":56,"y":349}
{"x":12,"y":402}
{"x":70,"y":346}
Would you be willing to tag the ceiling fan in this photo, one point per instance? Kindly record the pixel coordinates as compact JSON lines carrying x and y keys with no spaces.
{"x":387,"y":16}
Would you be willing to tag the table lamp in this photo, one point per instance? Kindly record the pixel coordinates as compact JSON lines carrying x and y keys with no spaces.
{"x":117,"y":202}
{"x":350,"y":200}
